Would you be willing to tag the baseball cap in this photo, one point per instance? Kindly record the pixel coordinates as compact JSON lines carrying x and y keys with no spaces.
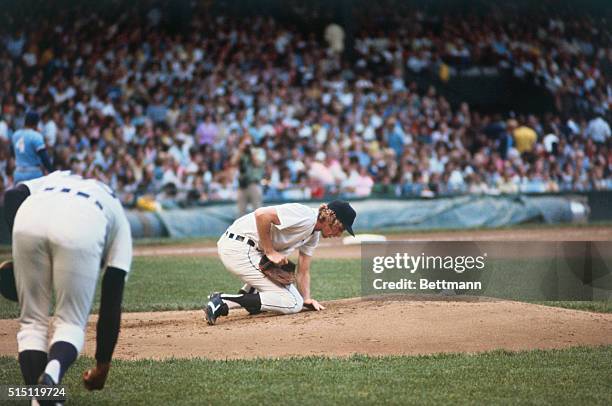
{"x":345,"y":213}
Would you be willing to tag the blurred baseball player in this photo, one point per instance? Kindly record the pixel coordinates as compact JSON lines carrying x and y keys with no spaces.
{"x":65,"y":229}
{"x":276,"y":231}
{"x":30,"y":151}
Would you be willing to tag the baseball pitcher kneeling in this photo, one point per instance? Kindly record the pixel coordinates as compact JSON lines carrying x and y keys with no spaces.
{"x":256,"y":246}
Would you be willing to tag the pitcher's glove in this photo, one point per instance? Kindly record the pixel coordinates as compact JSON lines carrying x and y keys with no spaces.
{"x":282,"y":275}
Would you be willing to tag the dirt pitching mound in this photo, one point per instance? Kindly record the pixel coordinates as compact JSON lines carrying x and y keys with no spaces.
{"x":352,"y":326}
{"x":333,"y":248}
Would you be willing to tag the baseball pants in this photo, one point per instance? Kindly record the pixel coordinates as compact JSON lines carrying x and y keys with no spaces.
{"x":242,"y":260}
{"x":57,"y":247}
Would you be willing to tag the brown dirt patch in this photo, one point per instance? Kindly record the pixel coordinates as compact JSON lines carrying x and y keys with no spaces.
{"x":333,"y":248}
{"x":355,"y":326}
{"x":352,"y":326}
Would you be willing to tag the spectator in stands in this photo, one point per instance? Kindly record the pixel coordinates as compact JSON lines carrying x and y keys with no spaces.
{"x":250,"y":161}
{"x":193,"y":97}
{"x":30,"y":151}
{"x":524,"y":137}
{"x":598,"y":130}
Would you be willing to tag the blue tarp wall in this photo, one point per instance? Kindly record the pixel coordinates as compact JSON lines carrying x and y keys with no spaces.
{"x":384,"y":214}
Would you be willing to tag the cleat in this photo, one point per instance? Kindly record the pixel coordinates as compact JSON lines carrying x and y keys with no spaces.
{"x":214,"y":308}
{"x":46,"y":380}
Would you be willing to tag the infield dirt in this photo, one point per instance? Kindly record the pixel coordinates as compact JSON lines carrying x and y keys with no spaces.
{"x":356,"y":326}
{"x":333,"y":248}
{"x":351,"y":326}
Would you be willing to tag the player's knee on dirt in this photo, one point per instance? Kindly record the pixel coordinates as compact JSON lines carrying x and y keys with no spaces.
{"x":285,"y":303}
{"x":299,"y":304}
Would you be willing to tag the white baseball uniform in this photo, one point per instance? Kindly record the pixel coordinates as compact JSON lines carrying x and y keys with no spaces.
{"x":238,"y":250}
{"x":64,"y":232}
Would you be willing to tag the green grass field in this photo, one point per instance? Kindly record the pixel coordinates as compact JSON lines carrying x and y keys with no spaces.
{"x":179,"y":283}
{"x":578,"y":376}
{"x":572,"y":376}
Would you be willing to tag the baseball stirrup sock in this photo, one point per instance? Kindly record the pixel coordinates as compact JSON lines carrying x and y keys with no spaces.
{"x":246,"y":300}
{"x":32,"y":364}
{"x":247,"y":289}
{"x":61,"y":355}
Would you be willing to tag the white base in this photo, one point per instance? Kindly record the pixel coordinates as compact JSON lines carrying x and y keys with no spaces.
{"x":359,"y":238}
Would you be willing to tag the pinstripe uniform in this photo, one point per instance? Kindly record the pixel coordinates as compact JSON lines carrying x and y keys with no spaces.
{"x":239,"y":251}
{"x":64,"y":232}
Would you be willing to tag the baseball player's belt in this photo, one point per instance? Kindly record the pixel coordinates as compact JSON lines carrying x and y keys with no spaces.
{"x":240,"y":238}
{"x":76,"y":193}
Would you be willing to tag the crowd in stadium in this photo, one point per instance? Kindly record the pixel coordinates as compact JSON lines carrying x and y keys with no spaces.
{"x":160,"y":112}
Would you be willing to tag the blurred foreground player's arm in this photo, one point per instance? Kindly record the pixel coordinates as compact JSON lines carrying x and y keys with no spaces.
{"x":118,"y":261}
{"x":107,"y":330}
{"x":13,"y":198}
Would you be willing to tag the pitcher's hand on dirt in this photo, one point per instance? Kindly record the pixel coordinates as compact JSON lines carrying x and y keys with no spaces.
{"x":313,"y":305}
